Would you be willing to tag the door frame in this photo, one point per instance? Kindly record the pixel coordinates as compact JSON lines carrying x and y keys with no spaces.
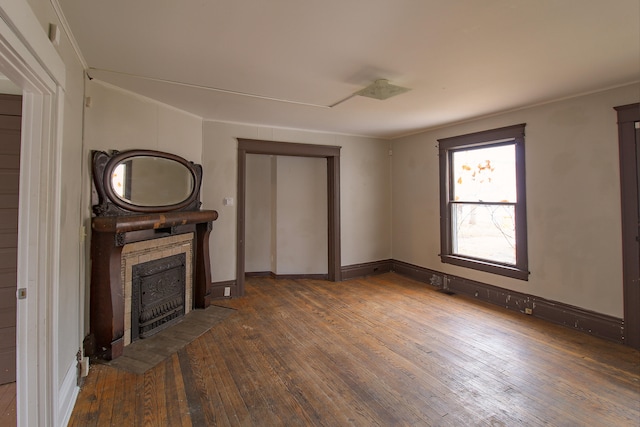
{"x":29,"y":60}
{"x":628,"y":115}
{"x":332,"y":154}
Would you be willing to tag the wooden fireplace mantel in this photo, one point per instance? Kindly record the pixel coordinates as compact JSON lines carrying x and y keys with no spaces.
{"x":109,"y":235}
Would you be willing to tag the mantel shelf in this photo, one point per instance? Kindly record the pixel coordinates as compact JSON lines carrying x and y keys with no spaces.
{"x":126,"y":223}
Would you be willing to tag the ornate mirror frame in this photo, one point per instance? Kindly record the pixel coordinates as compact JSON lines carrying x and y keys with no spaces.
{"x":107,"y":203}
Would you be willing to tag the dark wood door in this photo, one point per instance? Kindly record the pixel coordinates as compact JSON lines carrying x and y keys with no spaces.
{"x":629,"y":137}
{"x":10,"y":120}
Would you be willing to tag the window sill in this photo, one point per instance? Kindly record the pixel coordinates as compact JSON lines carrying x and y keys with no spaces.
{"x":486,"y":266}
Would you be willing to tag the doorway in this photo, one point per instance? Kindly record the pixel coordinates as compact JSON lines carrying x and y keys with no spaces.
{"x":629,"y":142}
{"x":10,"y":135}
{"x":286,"y":217}
{"x":10,"y":124}
{"x":332,"y":155}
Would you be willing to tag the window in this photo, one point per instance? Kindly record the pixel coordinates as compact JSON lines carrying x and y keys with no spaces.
{"x":483,"y":221}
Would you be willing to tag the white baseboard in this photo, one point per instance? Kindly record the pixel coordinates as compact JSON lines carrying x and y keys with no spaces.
{"x":68,"y":394}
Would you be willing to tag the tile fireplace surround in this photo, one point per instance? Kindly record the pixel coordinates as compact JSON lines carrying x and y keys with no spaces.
{"x":151,"y":250}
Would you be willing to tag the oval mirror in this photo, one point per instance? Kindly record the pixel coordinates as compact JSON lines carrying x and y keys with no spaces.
{"x":152,"y":181}
{"x":144,"y":181}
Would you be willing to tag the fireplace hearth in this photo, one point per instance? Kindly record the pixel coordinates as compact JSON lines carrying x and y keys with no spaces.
{"x":158,"y":295}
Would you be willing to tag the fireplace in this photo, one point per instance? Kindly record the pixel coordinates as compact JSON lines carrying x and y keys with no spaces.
{"x":154,"y":235}
{"x":149,"y":261}
{"x":120,"y":243}
{"x":158,"y":290}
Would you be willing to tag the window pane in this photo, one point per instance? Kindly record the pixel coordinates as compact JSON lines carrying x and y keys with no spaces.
{"x":485,"y":174}
{"x":484,"y":231}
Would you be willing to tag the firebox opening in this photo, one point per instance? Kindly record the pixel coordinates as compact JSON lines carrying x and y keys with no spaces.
{"x":158,"y":295}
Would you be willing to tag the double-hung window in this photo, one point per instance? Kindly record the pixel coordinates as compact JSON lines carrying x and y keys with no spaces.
{"x":483,"y":218}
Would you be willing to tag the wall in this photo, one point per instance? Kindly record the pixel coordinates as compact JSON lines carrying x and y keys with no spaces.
{"x":573,"y":200}
{"x":286,"y":215}
{"x":258,"y":219}
{"x":121,"y":120}
{"x":301,"y":236}
{"x":364,"y":186}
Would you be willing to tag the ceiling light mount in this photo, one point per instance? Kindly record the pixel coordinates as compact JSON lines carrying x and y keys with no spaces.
{"x":380,"y":89}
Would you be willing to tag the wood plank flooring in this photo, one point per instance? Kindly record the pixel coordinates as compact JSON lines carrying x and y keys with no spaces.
{"x":8,"y":404}
{"x":380,"y":351}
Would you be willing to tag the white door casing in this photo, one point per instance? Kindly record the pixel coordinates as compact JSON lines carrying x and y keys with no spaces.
{"x":30,"y":61}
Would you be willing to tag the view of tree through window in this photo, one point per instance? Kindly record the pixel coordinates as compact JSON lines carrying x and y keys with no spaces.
{"x":484,"y":190}
{"x":483,"y":203}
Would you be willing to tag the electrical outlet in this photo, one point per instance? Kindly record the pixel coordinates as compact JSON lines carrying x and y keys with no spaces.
{"x":84,"y":366}
{"x":528,"y":310}
{"x":227,"y":291}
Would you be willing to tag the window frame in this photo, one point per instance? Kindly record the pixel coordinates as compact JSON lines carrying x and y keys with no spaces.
{"x":446,"y":146}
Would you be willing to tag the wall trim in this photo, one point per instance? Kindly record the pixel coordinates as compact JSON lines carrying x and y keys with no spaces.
{"x":628,"y":116}
{"x":68,"y":393}
{"x":597,"y":324}
{"x":273,"y":275}
{"x":29,"y":60}
{"x":332,"y":154}
{"x":366,"y":269}
{"x":217,"y":290}
{"x":258,"y":274}
{"x":301,"y":276}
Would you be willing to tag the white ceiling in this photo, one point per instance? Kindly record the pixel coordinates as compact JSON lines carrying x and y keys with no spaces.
{"x":283,"y":62}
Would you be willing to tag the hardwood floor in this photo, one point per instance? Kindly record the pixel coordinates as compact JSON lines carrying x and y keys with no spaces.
{"x":380,"y":351}
{"x":8,"y":404}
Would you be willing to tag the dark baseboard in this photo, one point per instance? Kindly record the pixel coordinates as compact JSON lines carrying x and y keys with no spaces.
{"x":420,"y":274}
{"x":600,"y":325}
{"x":301,"y":276}
{"x":286,"y":276}
{"x":218,"y":288}
{"x":366,"y":269}
{"x":258,"y":274}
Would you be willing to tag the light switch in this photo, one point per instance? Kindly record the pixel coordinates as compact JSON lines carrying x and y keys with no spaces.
{"x":228,"y":201}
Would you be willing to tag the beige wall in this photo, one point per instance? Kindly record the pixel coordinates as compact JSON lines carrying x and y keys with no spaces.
{"x":121,"y":120}
{"x":365,"y":191}
{"x":258,"y":217}
{"x":286,"y":215}
{"x":301,"y":209}
{"x":573,"y":200}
